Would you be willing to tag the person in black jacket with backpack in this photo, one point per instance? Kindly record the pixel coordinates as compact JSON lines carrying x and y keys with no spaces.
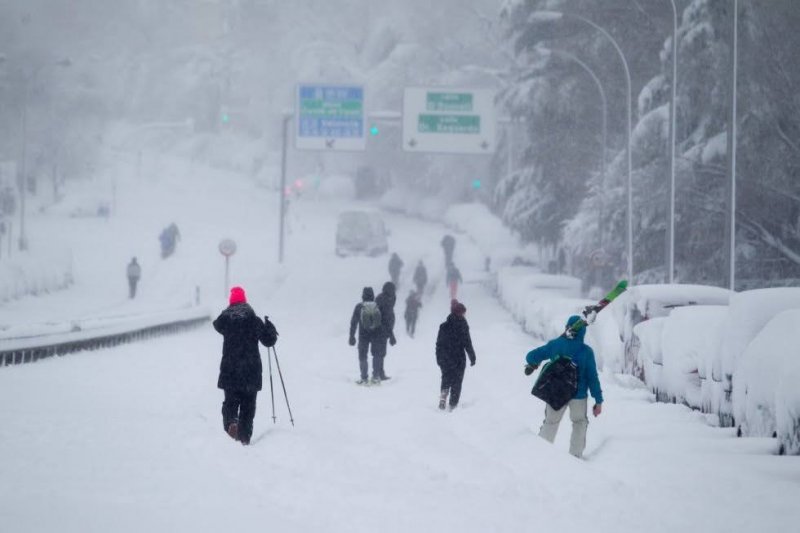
{"x":240,"y":367}
{"x":367,"y":319}
{"x":452,"y":343}
{"x":385,"y":300}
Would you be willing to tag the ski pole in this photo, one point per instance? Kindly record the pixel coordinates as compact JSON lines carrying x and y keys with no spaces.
{"x":277,"y":364}
{"x":271,"y":393}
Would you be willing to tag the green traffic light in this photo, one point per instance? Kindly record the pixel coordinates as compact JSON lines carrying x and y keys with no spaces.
{"x":476,"y":184}
{"x":226,"y":118}
{"x":374,"y":130}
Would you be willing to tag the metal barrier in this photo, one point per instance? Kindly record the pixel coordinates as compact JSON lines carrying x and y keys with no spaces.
{"x":16,"y":356}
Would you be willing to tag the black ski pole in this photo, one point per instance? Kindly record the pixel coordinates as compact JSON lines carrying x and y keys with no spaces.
{"x":271,"y":393}
{"x":277,"y":364}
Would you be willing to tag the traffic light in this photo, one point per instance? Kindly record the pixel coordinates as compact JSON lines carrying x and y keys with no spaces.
{"x":225,"y":118}
{"x":476,"y":184}
{"x":374,"y":131}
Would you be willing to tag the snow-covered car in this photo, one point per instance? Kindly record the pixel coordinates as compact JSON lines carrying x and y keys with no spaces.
{"x":361,"y":232}
{"x":643,"y":302}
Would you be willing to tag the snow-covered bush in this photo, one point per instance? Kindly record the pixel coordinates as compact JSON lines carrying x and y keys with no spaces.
{"x":518,"y":286}
{"x":766,"y":398}
{"x":24,"y":275}
{"x":649,"y":362}
{"x":748,"y":313}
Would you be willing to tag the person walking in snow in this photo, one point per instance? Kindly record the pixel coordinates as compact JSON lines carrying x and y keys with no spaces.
{"x":453,"y":346}
{"x":367,"y":320}
{"x":583,"y":357}
{"x":413,"y":303}
{"x":240,"y":367}
{"x":448,"y":245}
{"x":395,"y":265}
{"x":385,"y":300}
{"x":453,"y":279}
{"x":134,"y":272}
{"x":420,"y":277}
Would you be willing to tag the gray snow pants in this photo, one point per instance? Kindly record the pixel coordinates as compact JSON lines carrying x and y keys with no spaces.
{"x":580,"y":421}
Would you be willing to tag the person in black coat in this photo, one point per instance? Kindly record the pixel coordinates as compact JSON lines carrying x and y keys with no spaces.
{"x":385,"y":300}
{"x":448,"y":245}
{"x":413,"y":303}
{"x":420,"y":277}
{"x":452,"y":343}
{"x":363,"y":319}
{"x":240,"y":367}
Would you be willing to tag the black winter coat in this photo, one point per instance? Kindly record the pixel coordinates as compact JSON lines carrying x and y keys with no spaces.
{"x":355,"y":323}
{"x":240,"y":368}
{"x":386,"y":301}
{"x":453,"y":342}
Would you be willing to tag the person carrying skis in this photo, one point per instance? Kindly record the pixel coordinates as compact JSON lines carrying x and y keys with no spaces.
{"x":385,"y":300}
{"x":420,"y":277}
{"x":453,"y":279}
{"x":395,"y":265}
{"x":448,"y":245}
{"x":134,"y":272}
{"x":367,"y":319}
{"x":240,"y":367}
{"x":583,"y":358}
{"x":413,"y":303}
{"x":452,"y":343}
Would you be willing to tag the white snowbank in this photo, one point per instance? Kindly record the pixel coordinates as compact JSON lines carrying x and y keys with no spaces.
{"x":766,"y":398}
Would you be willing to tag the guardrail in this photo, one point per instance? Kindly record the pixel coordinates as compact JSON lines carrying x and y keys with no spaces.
{"x":36,"y":348}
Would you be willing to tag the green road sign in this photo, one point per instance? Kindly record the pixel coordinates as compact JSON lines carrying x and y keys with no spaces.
{"x":459,"y":124}
{"x":458,"y":102}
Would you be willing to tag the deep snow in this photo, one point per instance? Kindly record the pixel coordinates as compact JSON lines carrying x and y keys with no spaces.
{"x":130,"y":438}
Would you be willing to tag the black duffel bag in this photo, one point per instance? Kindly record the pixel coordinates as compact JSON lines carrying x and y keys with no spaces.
{"x":557,"y":382}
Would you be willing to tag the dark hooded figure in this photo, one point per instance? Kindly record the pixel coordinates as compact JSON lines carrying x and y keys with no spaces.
{"x":385,"y":300}
{"x":448,"y":245}
{"x":367,"y":319}
{"x":453,"y":346}
{"x":240,"y":368}
{"x":413,"y":303}
{"x":420,"y":277}
{"x":395,"y":265}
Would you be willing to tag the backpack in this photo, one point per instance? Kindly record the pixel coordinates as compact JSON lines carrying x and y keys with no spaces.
{"x":370,"y":316}
{"x":557,"y":382}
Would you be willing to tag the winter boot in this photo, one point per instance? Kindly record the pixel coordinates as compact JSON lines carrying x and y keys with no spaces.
{"x":443,"y":399}
{"x":375,"y":381}
{"x":362,"y":381}
{"x":233,"y":430}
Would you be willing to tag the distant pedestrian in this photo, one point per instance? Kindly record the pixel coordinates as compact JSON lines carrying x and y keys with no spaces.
{"x":420,"y":278}
{"x":367,"y":320}
{"x":169,"y":238}
{"x":448,"y":245}
{"x":240,"y":367}
{"x":385,"y":300}
{"x":453,"y":278}
{"x":134,"y":272}
{"x":453,"y":346}
{"x":413,"y":303}
{"x":395,"y":265}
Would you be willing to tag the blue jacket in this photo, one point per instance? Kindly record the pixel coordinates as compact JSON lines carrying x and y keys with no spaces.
{"x":581,"y":355}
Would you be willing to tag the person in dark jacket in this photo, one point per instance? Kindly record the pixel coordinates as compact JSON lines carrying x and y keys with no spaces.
{"x":453,"y":346}
{"x":395,"y":265}
{"x":240,"y":368}
{"x":420,"y":277}
{"x":385,"y":300}
{"x":583,"y":357}
{"x":368,"y":324}
{"x":413,"y":303}
{"x":134,"y":272}
{"x":448,"y":245}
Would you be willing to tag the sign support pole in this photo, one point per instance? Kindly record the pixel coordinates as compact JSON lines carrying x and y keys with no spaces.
{"x":286,"y":119}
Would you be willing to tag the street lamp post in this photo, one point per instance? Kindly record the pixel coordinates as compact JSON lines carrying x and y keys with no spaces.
{"x":604,"y":133}
{"x":672,"y":115}
{"x":731,"y":207}
{"x":555,"y":15}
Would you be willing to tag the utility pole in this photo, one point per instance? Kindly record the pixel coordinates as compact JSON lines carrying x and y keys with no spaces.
{"x":730,"y":208}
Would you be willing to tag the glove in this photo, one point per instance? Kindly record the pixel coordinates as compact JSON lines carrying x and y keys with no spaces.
{"x":530,"y":368}
{"x":589,"y":314}
{"x":352,"y":341}
{"x":392,"y":340}
{"x":472,"y":362}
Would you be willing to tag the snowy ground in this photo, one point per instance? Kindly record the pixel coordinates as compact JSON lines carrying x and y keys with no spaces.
{"x":130,"y":438}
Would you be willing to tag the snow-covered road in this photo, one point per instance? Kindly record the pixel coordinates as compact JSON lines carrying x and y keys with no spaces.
{"x":130,"y":438}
